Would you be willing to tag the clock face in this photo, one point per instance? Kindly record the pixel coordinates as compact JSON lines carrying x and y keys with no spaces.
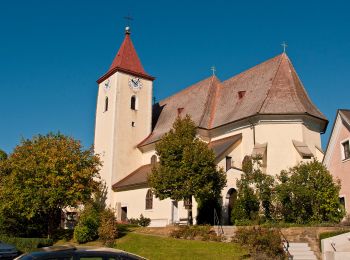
{"x":107,"y":85}
{"x":135,"y":83}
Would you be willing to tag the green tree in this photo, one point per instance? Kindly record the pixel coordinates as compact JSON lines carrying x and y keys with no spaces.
{"x":3,"y":155}
{"x":186,"y":167}
{"x":308,"y":193}
{"x":255,"y":192}
{"x":44,"y":175}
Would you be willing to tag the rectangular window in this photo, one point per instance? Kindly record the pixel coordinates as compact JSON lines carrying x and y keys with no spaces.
{"x":228,"y":163}
{"x":346,"y":150}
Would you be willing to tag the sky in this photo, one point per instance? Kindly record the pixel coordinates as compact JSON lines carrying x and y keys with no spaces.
{"x":52,"y":53}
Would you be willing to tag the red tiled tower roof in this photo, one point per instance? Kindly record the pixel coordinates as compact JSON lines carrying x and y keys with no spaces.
{"x":126,"y":61}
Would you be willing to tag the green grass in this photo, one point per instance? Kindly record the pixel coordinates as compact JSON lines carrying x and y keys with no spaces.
{"x":154,"y":247}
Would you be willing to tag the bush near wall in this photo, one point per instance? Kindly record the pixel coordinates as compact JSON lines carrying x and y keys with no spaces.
{"x":263,"y":243}
{"x":25,"y":245}
{"x":196,"y":232}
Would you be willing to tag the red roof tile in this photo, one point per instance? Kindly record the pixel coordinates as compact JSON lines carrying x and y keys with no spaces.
{"x":271,"y":88}
{"x":127,"y":61}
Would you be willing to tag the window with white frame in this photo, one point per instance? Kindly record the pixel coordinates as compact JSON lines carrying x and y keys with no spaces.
{"x":345,"y":146}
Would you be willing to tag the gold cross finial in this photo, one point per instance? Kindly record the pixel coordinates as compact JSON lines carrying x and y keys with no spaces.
{"x":213,"y":69}
{"x":284,"y":45}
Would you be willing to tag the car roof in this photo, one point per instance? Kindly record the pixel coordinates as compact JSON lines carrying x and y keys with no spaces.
{"x":68,"y":251}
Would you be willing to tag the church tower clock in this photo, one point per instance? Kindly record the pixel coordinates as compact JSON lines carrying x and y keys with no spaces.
{"x":123,"y":115}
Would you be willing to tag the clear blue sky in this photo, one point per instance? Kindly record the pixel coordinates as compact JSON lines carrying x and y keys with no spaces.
{"x":52,"y":53}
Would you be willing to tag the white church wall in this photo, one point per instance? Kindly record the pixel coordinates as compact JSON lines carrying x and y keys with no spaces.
{"x":313,"y":139}
{"x":280,"y":149}
{"x":146,"y":156}
{"x":104,"y":129}
{"x":162,"y":213}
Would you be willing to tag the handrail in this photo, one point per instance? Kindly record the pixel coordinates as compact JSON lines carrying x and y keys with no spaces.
{"x":286,"y":247}
{"x":333,"y":245}
{"x":217,"y":223}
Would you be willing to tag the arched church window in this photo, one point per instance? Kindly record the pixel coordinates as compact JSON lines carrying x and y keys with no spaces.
{"x":106,"y":104}
{"x":133,"y":103}
{"x":153,"y":159}
{"x":149,"y":199}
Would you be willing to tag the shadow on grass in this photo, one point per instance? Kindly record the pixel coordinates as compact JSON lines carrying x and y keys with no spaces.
{"x":123,"y":229}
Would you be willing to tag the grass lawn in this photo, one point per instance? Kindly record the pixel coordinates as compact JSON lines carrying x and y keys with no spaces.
{"x":155,"y":247}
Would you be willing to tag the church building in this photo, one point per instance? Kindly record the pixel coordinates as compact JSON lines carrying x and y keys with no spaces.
{"x":264,"y":110}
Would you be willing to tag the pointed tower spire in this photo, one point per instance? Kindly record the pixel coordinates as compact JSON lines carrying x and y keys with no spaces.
{"x":127,"y":60}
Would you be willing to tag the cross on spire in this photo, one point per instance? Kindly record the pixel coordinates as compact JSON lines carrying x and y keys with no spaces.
{"x":213,"y":69}
{"x":128,"y":19}
{"x":284,"y":45}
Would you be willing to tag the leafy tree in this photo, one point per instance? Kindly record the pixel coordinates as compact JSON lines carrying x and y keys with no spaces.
{"x":89,"y":221}
{"x":44,"y":175}
{"x":3,"y":155}
{"x":308,"y":193}
{"x":187,"y":167}
{"x":255,"y":192}
{"x":107,"y":231}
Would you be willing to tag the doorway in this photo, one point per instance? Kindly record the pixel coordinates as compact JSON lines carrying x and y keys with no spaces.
{"x":174,"y":212}
{"x":231,"y":198}
{"x":124,"y":216}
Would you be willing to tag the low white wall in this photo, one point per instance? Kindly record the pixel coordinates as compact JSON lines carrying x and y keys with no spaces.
{"x":341,"y":244}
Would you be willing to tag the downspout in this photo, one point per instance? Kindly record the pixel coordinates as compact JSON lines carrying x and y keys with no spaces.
{"x":252,"y":126}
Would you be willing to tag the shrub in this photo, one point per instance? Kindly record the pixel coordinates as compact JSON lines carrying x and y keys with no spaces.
{"x":63,"y":234}
{"x":195,"y":232}
{"x":262,"y":242}
{"x":87,"y":227}
{"x":107,"y":232}
{"x":144,"y":222}
{"x":25,"y":245}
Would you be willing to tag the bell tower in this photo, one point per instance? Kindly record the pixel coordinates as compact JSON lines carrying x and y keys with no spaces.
{"x":123,"y":115}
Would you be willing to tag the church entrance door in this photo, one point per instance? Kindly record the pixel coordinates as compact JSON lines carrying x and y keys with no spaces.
{"x":124,"y":216}
{"x":174,"y":212}
{"x":231,"y":198}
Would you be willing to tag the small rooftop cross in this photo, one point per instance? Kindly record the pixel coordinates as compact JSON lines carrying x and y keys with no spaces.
{"x":213,"y":69}
{"x":128,"y":18}
{"x":284,"y":45}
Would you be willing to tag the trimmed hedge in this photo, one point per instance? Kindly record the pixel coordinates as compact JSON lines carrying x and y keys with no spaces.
{"x":25,"y":245}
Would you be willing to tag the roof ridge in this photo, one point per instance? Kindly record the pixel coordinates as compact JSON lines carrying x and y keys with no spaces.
{"x":303,"y":88}
{"x":268,"y":91}
{"x":209,"y":101}
{"x":214,"y":106}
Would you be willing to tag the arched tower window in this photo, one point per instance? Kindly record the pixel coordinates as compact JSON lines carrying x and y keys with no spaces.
{"x":133,"y":103}
{"x":106,"y":104}
{"x":149,"y":199}
{"x":153,"y":159}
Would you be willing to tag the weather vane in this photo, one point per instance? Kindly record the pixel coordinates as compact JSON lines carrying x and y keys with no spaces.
{"x":213,"y":69}
{"x":284,"y":45}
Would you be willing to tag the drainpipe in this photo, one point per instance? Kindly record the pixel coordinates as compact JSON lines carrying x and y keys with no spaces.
{"x":252,"y":126}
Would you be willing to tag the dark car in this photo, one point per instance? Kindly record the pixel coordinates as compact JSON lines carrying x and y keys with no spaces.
{"x":7,"y":251}
{"x":77,"y":253}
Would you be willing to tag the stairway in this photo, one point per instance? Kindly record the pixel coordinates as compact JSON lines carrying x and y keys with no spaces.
{"x":229,"y":232}
{"x":301,"y":251}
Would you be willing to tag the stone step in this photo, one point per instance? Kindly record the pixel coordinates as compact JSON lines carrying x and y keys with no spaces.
{"x":304,"y":257}
{"x":301,"y":252}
